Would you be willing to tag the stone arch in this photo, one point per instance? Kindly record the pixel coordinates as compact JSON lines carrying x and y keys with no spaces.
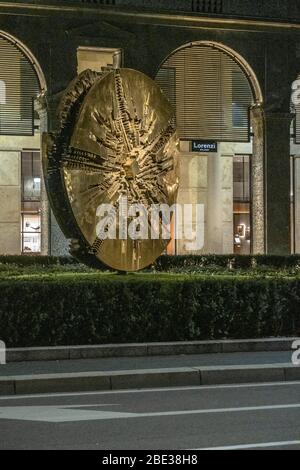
{"x":37,"y":86}
{"x":29,"y":55}
{"x":238,"y":58}
{"x":256,"y":118}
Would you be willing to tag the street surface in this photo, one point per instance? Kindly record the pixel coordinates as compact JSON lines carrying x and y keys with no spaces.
{"x":262,"y":416}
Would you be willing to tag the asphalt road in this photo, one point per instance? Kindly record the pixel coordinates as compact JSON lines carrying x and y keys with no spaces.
{"x":237,"y":416}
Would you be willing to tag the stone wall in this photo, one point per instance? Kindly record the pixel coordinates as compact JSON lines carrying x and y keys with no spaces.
{"x":10,"y":190}
{"x":271,"y":49}
{"x":265,"y":9}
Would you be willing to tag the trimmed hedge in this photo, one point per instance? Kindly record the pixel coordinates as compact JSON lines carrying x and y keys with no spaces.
{"x":34,"y":260}
{"x":168,"y":263}
{"x":99,"y":309}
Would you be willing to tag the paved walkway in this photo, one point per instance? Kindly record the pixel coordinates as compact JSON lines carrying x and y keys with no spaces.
{"x":139,"y":363}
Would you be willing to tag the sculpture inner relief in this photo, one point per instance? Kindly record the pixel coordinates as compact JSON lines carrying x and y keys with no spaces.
{"x":116,"y":148}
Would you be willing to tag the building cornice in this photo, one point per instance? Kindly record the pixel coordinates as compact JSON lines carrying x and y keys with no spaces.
{"x":177,"y":19}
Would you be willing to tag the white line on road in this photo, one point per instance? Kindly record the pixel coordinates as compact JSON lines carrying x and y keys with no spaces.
{"x":220,"y":410}
{"x":69,"y":413}
{"x":150,"y":390}
{"x":255,"y":446}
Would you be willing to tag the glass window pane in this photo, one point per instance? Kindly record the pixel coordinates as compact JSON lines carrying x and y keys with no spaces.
{"x":31,"y":223}
{"x":242,"y":230}
{"x":242,"y":206}
{"x":31,"y":243}
{"x":36,"y":165}
{"x":31,"y":233}
{"x":241,"y":178}
{"x":31,"y":176}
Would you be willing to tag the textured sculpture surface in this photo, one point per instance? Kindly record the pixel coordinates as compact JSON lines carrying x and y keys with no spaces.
{"x":117,"y":140}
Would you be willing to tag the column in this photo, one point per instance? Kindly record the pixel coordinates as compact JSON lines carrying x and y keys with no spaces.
{"x":297,"y":203}
{"x":257,"y":181}
{"x":277,"y":182}
{"x":227,"y":204}
{"x":57,"y":244}
{"x":10,"y":202}
{"x":192,"y":190}
{"x":41,"y":108}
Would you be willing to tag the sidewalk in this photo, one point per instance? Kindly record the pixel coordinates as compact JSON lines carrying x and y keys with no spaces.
{"x":143,"y":363}
{"x":115,"y":373}
{"x":148,"y":349}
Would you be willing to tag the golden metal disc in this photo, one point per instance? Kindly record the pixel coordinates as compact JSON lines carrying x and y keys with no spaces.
{"x":124,"y":145}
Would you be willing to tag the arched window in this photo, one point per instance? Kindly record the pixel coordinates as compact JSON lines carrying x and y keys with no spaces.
{"x":210,"y":91}
{"x":19,"y":86}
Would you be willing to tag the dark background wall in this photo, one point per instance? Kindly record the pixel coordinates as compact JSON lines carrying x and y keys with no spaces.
{"x":147,"y":39}
{"x":268,"y":9}
{"x":265,"y":33}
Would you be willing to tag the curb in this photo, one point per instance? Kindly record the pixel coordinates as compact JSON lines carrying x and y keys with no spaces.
{"x":148,"y":349}
{"x":143,"y":379}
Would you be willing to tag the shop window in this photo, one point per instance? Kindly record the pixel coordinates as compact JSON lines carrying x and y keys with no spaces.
{"x":241,"y":178}
{"x":31,"y":233}
{"x":241,"y":204}
{"x":31,"y":207}
{"x":31,"y":176}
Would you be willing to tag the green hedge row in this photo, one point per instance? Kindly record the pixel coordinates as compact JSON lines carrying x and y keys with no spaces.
{"x":107,"y":308}
{"x":169,"y":263}
{"x":166,"y":263}
{"x":33,"y":260}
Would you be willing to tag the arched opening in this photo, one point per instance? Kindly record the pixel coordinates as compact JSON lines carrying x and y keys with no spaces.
{"x":20,"y":46}
{"x":214,"y":91}
{"x":21,"y":190}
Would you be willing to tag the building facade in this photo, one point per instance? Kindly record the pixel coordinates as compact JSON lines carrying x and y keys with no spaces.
{"x":227,"y":67}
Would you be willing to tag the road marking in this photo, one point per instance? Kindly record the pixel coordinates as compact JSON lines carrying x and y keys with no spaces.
{"x":150,"y":390}
{"x":69,"y":413}
{"x":256,"y":446}
{"x":58,"y":414}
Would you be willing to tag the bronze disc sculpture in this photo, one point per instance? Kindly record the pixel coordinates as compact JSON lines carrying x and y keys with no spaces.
{"x":116,"y":144}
